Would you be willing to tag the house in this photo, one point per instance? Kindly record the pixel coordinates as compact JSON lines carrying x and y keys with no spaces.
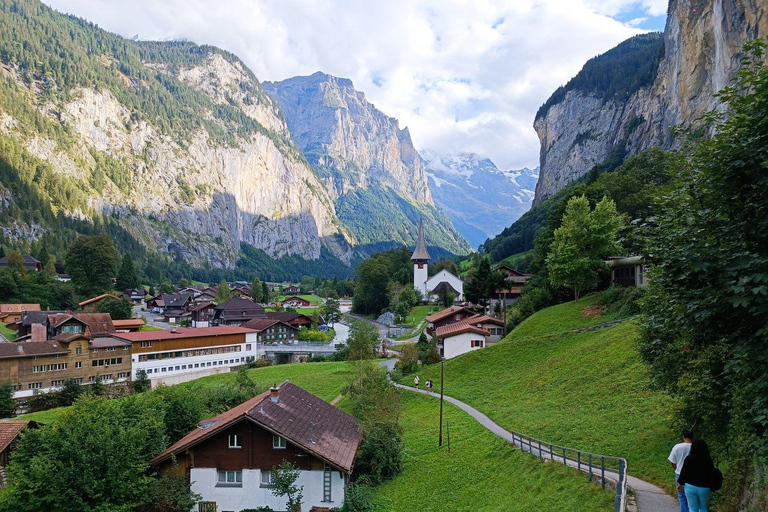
{"x":135,"y":295}
{"x":42,"y":366}
{"x":447,"y":316}
{"x":30,"y":263}
{"x":514,"y":283}
{"x":9,"y":438}
{"x":472,"y":333}
{"x":195,"y":291}
{"x":237,"y":312}
{"x":156,"y":303}
{"x":177,"y":306}
{"x":296,"y":302}
{"x":627,"y":271}
{"x":92,"y":304}
{"x":129,"y":325}
{"x":272,"y":330}
{"x":291,"y":290}
{"x":11,"y":313}
{"x":202,"y":314}
{"x":44,"y":325}
{"x":179,"y":355}
{"x":297,"y":320}
{"x":229,"y":459}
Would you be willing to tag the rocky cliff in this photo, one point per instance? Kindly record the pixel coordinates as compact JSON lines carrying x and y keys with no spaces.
{"x":367,"y":163}
{"x":580,"y":127}
{"x":479,"y":199}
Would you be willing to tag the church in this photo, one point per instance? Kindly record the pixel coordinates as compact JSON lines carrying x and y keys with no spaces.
{"x":430,"y":286}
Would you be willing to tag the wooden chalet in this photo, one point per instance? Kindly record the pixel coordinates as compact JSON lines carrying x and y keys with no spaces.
{"x":229,"y":459}
{"x":12,"y":313}
{"x":30,"y":264}
{"x":447,"y":316}
{"x":202,"y":314}
{"x":272,"y":330}
{"x":237,"y":312}
{"x":296,"y":302}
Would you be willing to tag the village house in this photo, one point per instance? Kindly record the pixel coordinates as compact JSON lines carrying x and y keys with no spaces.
{"x":135,"y":295}
{"x":30,"y":263}
{"x":627,"y":271}
{"x":12,"y":313}
{"x":10,"y":431}
{"x":92,"y":304}
{"x":447,"y":316}
{"x":128,"y":325}
{"x":156,"y":303}
{"x":291,"y":290}
{"x":229,"y":459}
{"x":44,"y":325}
{"x":514,"y":283}
{"x":177,"y":306}
{"x":237,"y":312}
{"x":202,"y":314}
{"x":296,"y":302}
{"x":472,"y":333}
{"x":179,"y":355}
{"x":272,"y":330}
{"x":296,"y":320}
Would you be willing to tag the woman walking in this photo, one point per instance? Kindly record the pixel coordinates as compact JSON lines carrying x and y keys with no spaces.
{"x":696,"y":477}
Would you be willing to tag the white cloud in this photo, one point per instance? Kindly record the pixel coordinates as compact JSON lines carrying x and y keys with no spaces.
{"x":466,"y":75}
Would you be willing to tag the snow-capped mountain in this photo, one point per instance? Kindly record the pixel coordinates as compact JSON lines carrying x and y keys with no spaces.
{"x":480,"y":199}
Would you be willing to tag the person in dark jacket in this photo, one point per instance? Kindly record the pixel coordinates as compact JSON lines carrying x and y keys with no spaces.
{"x":696,"y":477}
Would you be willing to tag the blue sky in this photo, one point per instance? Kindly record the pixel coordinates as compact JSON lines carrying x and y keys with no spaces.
{"x":462,"y":75}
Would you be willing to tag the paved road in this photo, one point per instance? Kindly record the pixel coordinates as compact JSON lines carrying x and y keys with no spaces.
{"x":151,"y":318}
{"x":650,"y":498}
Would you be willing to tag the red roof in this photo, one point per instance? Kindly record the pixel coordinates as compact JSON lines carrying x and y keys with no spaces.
{"x":303,"y":419}
{"x":9,"y":430}
{"x":260,"y":324}
{"x":99,"y":297}
{"x":445,"y":314}
{"x":220,"y":330}
{"x":466,"y":325}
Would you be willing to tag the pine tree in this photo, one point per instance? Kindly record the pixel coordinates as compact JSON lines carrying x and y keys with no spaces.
{"x":224,"y":293}
{"x":126,"y":275}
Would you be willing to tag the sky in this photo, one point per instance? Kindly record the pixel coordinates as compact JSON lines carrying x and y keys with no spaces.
{"x":462,"y":75}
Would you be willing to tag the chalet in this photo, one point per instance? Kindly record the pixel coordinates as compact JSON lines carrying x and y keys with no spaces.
{"x":10,"y":432}
{"x":135,"y":295}
{"x":291,"y":289}
{"x":30,"y":263}
{"x":447,"y":316}
{"x":41,"y":366}
{"x":156,"y":302}
{"x":92,"y":304}
{"x":272,"y":330}
{"x":44,"y":325}
{"x":179,"y":355}
{"x":229,"y":459}
{"x":297,"y":320}
{"x":195,"y":291}
{"x":627,"y":271}
{"x":514,"y":283}
{"x":11,"y":313}
{"x":128,"y":325}
{"x":296,"y":302}
{"x":177,"y":307}
{"x":237,"y":312}
{"x":202,"y":314}
{"x":472,"y":333}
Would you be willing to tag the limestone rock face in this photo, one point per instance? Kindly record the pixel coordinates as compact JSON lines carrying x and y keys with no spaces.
{"x":702,"y":50}
{"x":368,"y":165}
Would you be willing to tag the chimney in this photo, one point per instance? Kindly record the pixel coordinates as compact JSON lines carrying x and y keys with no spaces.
{"x":274,"y":393}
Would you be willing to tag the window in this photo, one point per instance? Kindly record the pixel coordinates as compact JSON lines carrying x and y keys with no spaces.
{"x":267,"y":478}
{"x":57,"y":383}
{"x":78,"y":351}
{"x":79,"y":364}
{"x":79,"y":380}
{"x":71,"y":329}
{"x":95,"y":350}
{"x":248,"y":347}
{"x":17,"y":387}
{"x":122,"y":375}
{"x":145,"y":344}
{"x":110,"y":349}
{"x":229,"y":478}
{"x":35,"y":385}
{"x":106,"y":377}
{"x":92,"y":379}
{"x":477,"y":343}
{"x":126,"y":348}
{"x":278,"y":442}
{"x":235,"y":441}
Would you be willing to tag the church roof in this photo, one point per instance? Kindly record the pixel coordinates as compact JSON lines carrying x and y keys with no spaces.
{"x":420,"y":253}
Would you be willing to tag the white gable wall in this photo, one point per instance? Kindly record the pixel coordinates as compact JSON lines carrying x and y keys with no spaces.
{"x":446,"y":277}
{"x":461,"y":344}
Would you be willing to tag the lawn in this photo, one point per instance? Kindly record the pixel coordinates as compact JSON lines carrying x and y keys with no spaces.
{"x":147,"y":327}
{"x":481,"y":473}
{"x":6,"y":331}
{"x":588,"y":391}
{"x":415,"y":317}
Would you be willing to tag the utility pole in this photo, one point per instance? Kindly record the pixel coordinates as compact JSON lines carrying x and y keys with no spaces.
{"x":442,"y":381}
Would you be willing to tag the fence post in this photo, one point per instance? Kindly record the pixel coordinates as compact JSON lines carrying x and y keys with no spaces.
{"x":565,"y":459}
{"x":620,"y":485}
{"x":541,"y":454}
{"x":590,"y":466}
{"x":602,"y":470}
{"x":578,"y":461}
{"x":551,"y":452}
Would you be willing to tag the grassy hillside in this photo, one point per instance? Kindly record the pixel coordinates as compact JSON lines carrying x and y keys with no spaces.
{"x":481,"y":473}
{"x":587,"y":391}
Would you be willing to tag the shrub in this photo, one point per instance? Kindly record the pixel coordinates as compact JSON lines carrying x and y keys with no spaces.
{"x":357,"y":499}
{"x":408,"y":361}
{"x":622,"y":302}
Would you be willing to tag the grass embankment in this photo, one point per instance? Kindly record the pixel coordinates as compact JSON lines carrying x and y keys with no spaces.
{"x":481,"y":472}
{"x":6,"y":331}
{"x":416,"y":317}
{"x":588,"y":391}
{"x":147,"y":327}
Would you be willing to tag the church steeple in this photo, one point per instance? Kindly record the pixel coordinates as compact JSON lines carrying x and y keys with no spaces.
{"x":420,"y":254}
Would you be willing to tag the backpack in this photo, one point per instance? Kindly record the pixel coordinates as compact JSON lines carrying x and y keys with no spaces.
{"x":717,"y":480}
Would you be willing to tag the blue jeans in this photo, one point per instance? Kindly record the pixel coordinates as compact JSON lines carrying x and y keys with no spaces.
{"x":681,"y":497}
{"x":698,"y":498}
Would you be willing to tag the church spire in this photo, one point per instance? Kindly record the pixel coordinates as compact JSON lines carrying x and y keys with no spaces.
{"x":420,"y":253}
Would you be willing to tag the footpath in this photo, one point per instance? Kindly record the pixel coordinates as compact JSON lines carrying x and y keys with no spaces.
{"x":648,"y":497}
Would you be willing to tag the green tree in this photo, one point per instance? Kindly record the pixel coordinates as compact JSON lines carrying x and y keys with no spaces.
{"x":70,"y":392}
{"x":362,"y":342}
{"x":264,"y":293}
{"x":331,"y":311}
{"x":704,"y":323}
{"x":141,"y":383}
{"x":284,"y":479}
{"x":7,"y":404}
{"x":91,"y":262}
{"x":165,"y":287}
{"x":127,"y":278}
{"x":483,"y":281}
{"x":445,"y":296}
{"x":582,"y":241}
{"x":118,"y":309}
{"x":223,"y":293}
{"x":16,"y":263}
{"x":256,"y":289}
{"x":182,"y":411}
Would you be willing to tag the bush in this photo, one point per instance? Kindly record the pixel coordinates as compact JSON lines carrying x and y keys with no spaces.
{"x":357,"y":499}
{"x":408,"y":361}
{"x":622,"y":302}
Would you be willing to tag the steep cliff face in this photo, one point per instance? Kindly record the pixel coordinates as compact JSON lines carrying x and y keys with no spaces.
{"x":479,"y":199}
{"x":579,"y":128}
{"x":367,"y":163}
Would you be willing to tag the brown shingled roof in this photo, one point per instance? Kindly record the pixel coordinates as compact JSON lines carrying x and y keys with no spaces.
{"x":18,"y":308}
{"x":31,"y":348}
{"x":9,"y":430}
{"x":260,"y":324}
{"x":445,"y":313}
{"x":98,"y":323}
{"x":466,"y":325}
{"x":303,"y":419}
